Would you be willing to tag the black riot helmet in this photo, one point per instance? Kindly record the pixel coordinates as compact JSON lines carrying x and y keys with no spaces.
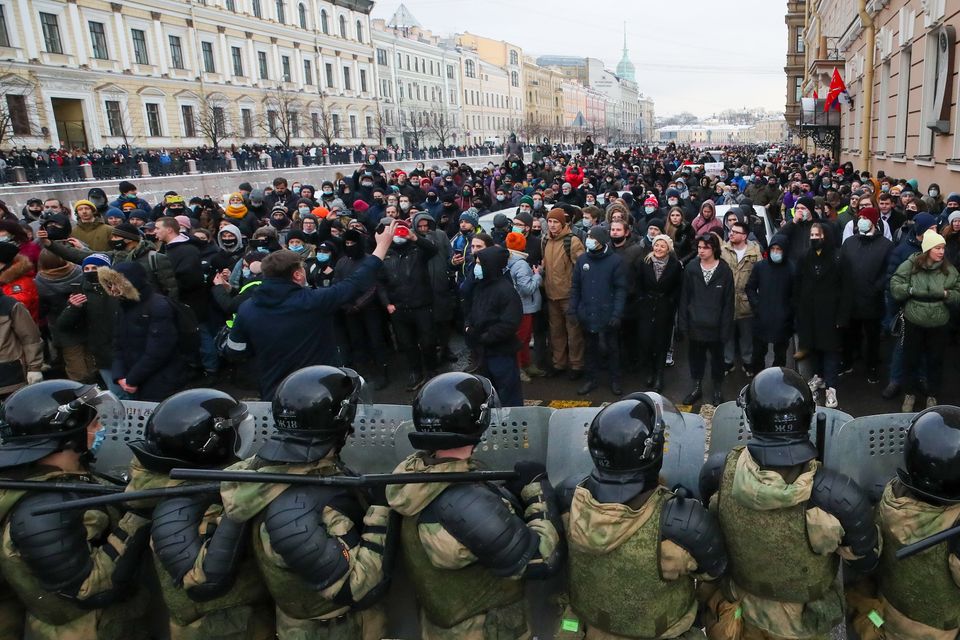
{"x":313,"y":411}
{"x":44,"y":418}
{"x":626,"y":443}
{"x":193,"y":428}
{"x":452,"y":410}
{"x":779,"y":408}
{"x":932,"y":455}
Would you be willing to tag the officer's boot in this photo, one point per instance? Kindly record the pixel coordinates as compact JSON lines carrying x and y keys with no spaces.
{"x":695,"y":394}
{"x":381,"y":377}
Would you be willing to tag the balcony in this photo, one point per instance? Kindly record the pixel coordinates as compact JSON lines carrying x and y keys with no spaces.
{"x":827,"y":58}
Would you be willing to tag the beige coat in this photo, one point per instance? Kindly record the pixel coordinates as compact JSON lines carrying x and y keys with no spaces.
{"x":557,"y":267}
{"x":20,"y":340}
{"x":741,"y":274}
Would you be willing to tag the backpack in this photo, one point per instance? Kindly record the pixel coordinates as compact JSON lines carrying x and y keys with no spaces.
{"x":154,"y":274}
{"x":567,"y":241}
{"x":188,"y":328}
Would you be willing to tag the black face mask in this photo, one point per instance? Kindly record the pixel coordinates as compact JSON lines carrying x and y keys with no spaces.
{"x":229,"y":245}
{"x":92,"y":277}
{"x":118,"y":245}
{"x":816,"y":243}
{"x":353,"y":251}
{"x":150,"y":237}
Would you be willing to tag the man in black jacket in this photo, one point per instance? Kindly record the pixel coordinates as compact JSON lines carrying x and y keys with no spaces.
{"x":407,"y":295}
{"x":493,"y":321}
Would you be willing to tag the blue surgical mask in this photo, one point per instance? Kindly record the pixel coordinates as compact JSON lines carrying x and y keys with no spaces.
{"x":246,"y":272}
{"x":649,"y":210}
{"x":864,"y":225}
{"x":263,"y":250}
{"x":98,"y":439}
{"x":586,"y":224}
{"x":519,"y":230}
{"x":592,"y":244}
{"x":776,"y":258}
{"x":298,"y":248}
{"x":304,"y":211}
{"x":478,"y":271}
{"x":538,"y":204}
{"x":323,"y":257}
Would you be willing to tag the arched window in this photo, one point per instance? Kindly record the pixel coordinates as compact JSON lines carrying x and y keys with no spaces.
{"x":324,"y":26}
{"x":514,"y":58}
{"x":470,"y":69}
{"x":359,"y":31}
{"x":302,"y":10}
{"x":343,"y":27}
{"x":281,"y":13}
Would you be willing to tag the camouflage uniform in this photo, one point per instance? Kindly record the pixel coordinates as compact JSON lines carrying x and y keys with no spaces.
{"x":784,"y":556}
{"x":630,"y":583}
{"x":459,"y":598}
{"x":52,"y":616}
{"x":304,"y":613}
{"x":917,"y":598}
{"x":245,"y":612}
{"x":11,"y":612}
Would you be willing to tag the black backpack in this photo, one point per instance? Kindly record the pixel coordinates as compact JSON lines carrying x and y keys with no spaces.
{"x":188,"y":329}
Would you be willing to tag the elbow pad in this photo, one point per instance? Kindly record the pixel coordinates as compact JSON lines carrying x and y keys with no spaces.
{"x":843,"y":498}
{"x":294,"y":522}
{"x":224,"y":553}
{"x":176,"y":535}
{"x":687,"y":523}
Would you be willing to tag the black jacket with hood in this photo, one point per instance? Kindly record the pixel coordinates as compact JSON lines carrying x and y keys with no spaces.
{"x":496,"y":311}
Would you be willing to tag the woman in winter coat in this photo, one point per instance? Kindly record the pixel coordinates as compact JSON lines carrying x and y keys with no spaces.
{"x":926,"y":285}
{"x":11,"y":231}
{"x":17,"y":279}
{"x":818,"y":290}
{"x":706,"y":221}
{"x":769,"y":291}
{"x":147,"y":364}
{"x":527,"y":282}
{"x":658,"y":290}
{"x":55,"y":282}
{"x":682,"y":235}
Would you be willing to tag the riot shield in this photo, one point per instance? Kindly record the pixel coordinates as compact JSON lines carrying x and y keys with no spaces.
{"x":869,"y":449}
{"x":122,"y":423}
{"x":729,"y":428}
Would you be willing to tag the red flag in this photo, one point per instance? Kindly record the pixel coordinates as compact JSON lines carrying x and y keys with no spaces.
{"x":837,"y":94}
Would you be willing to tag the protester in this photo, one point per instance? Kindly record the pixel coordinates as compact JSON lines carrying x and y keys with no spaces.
{"x":741,"y":256}
{"x":770,"y":293}
{"x":561,"y":251}
{"x":659,"y":282}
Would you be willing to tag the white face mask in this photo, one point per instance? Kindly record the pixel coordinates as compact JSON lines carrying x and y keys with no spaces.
{"x":592,"y":244}
{"x":672,"y":202}
{"x":478,"y":271}
{"x":404,"y":206}
{"x":649,"y":209}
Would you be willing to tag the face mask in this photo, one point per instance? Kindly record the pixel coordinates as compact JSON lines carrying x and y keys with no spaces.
{"x":501,"y":197}
{"x":118,"y":245}
{"x":885,"y":188}
{"x":98,"y":439}
{"x":776,"y":258}
{"x":816,"y":243}
{"x":618,"y":241}
{"x":404,"y":206}
{"x":519,"y":230}
{"x":799,"y":215}
{"x":478,"y":271}
{"x":297,"y":248}
{"x":933,"y":193}
{"x":323,"y":257}
{"x":601,"y":199}
{"x":246,"y":272}
{"x":864,"y":225}
{"x":592,"y":244}
{"x":263,"y":250}
{"x":399,"y":241}
{"x":649,"y":210}
{"x":304,"y":211}
{"x":327,"y":193}
{"x":296,"y":190}
{"x":92,"y":277}
{"x":538,"y":204}
{"x":280,"y":223}
{"x":431,"y":199}
{"x":672,"y":202}
{"x":366,"y":183}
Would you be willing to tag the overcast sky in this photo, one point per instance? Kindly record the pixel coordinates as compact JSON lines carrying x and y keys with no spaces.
{"x":696,"y":55}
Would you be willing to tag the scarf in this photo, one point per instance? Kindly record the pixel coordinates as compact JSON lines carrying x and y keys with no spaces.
{"x":236,"y":211}
{"x":658,"y":266}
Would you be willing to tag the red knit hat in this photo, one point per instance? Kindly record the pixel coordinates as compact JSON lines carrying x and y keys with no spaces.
{"x":516,"y":241}
{"x":870,"y":214}
{"x":651,"y":202}
{"x":360,"y":206}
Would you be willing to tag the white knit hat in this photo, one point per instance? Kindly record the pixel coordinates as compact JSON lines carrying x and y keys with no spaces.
{"x":666,"y":239}
{"x":931,"y":239}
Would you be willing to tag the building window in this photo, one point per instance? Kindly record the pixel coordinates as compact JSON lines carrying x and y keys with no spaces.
{"x":51,"y":33}
{"x":237,"y":56}
{"x":140,"y":55}
{"x":231,"y":5}
{"x":363,"y":80}
{"x":384,"y":89}
{"x":797,"y":89}
{"x":450,"y":72}
{"x":416,"y":65}
{"x":359,"y":31}
{"x":153,"y":120}
{"x":262,"y":63}
{"x":4,"y":38}
{"x":324,"y":25}
{"x":353,"y":126}
{"x":343,"y":27}
{"x":903,"y":102}
{"x":17,"y":108}
{"x":335,"y":121}
{"x":257,"y":11}
{"x":272,"y":122}
{"x":281,"y":12}
{"x":302,"y":12}
{"x":801,"y":45}
{"x":246,"y":117}
{"x":293,"y":124}
{"x":307,"y":72}
{"x":315,"y":124}
{"x":285,"y":67}
{"x":219,"y":122}
{"x":209,"y":65}
{"x":98,"y":40}
{"x":176,"y":52}
{"x":369,"y":126}
{"x":382,"y":57}
{"x":189,"y":122}
{"x":514,"y":79}
{"x":514,"y":57}
{"x":114,"y":118}
{"x":470,"y":69}
{"x":346,"y":78}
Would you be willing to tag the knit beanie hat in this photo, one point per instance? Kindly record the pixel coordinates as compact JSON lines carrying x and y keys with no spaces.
{"x":953,"y":216}
{"x":922,"y":222}
{"x":651,"y":202}
{"x":665,"y":238}
{"x":527,"y":200}
{"x":600,"y":234}
{"x":320,"y":212}
{"x":870,"y":214}
{"x":185,"y":223}
{"x":931,"y":239}
{"x":126,"y":231}
{"x":79,"y":203}
{"x":656,"y":222}
{"x":516,"y":241}
{"x":524,"y":217}
{"x":808,"y":203}
{"x":470,"y":215}
{"x":360,"y":206}
{"x":97,"y":260}
{"x":126,"y":187}
{"x":954,"y":197}
{"x":557,"y":214}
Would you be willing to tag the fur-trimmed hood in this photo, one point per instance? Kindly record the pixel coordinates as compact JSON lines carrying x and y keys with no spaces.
{"x":20,"y":267}
{"x":111,"y":279}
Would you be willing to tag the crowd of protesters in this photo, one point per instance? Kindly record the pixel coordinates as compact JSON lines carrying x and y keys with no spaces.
{"x":588,"y":263}
{"x":64,"y":165}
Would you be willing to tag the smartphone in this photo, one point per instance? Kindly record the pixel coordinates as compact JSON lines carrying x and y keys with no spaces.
{"x":76,"y":287}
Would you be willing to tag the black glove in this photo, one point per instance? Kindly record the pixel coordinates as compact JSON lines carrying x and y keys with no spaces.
{"x":377,"y":495}
{"x":528,"y":471}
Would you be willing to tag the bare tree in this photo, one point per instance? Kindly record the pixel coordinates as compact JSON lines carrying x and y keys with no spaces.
{"x":380,"y":122}
{"x":441,"y":126}
{"x":281,"y":119}
{"x":415,"y":129}
{"x":17,"y":108}
{"x":212,"y":121}
{"x":325,"y":124}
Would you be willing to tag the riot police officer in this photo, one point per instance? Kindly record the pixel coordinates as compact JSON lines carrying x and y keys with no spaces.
{"x":787,"y":521}
{"x":207,"y":573}
{"x":75,"y":572}
{"x":324,"y":554}
{"x":467,"y":546}
{"x":634,"y":545}
{"x":919,"y":597}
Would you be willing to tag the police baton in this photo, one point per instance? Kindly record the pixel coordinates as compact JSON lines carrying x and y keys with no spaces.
{"x":128,"y":496}
{"x":922,"y":545}
{"x":62,"y":487}
{"x":368,"y":480}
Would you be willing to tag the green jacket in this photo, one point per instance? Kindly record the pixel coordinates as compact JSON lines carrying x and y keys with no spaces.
{"x":925,"y":293}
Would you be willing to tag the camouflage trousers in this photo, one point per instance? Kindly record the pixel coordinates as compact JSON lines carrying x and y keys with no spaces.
{"x":87,"y":627}
{"x":11,"y":618}
{"x":578,"y":630}
{"x":369,"y":624}
{"x":235,"y":623}
{"x":505,"y":623}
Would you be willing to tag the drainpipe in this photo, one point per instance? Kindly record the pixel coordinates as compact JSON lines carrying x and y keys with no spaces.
{"x":870,"y":38}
